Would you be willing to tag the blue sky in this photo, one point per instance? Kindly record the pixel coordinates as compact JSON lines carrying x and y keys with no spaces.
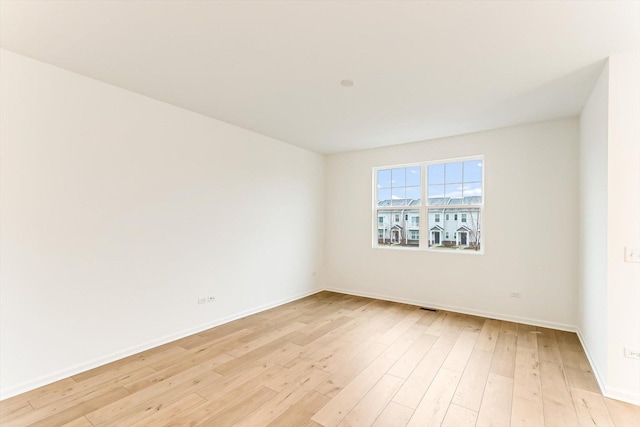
{"x":455,"y":180}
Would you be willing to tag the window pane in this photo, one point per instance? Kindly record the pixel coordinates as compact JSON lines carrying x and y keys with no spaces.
{"x":399,"y":227}
{"x":473,"y":171}
{"x":397,"y":177}
{"x":435,"y":194}
{"x":384,"y":178}
{"x":413,"y":176}
{"x":435,"y":174}
{"x":384,"y":197}
{"x":454,"y":229}
{"x":472,"y":193}
{"x":413,"y":195}
{"x":453,"y":172}
{"x":398,"y":197}
{"x":453,"y":193}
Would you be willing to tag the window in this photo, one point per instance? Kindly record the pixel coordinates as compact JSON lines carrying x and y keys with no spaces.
{"x":448,"y":194}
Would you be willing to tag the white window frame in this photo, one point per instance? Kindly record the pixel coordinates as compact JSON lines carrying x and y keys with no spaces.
{"x":423,"y":208}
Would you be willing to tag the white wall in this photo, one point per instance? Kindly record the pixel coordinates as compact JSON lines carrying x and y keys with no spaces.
{"x":592,"y":295}
{"x":118,"y":211}
{"x":623,"y":188}
{"x":609,"y":288}
{"x":530,"y":228}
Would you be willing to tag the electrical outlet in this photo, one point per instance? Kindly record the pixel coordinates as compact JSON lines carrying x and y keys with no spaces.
{"x":211,"y":299}
{"x":631,"y":254}
{"x":202,"y":300}
{"x":632,"y":354}
{"x":516,"y":295}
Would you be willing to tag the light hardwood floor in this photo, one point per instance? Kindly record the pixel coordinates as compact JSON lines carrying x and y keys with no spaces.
{"x":339,"y":360}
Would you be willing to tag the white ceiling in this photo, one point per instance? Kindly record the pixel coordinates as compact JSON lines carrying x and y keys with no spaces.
{"x":422,"y":70}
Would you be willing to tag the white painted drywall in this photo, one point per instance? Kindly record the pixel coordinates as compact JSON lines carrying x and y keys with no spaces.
{"x":623,"y":186}
{"x":530,"y":228}
{"x":118,"y":211}
{"x":609,"y":287}
{"x":592,"y":295}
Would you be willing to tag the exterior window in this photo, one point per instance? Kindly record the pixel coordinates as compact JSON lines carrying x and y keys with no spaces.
{"x":448,"y":194}
{"x":456,"y":188}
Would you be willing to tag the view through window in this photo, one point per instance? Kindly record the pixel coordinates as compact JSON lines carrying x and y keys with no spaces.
{"x":448,"y":194}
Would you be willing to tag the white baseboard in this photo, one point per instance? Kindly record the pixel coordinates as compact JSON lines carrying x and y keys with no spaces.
{"x":622,"y":395}
{"x":610,"y":392}
{"x":594,"y":368}
{"x":458,"y":309}
{"x":8,"y":392}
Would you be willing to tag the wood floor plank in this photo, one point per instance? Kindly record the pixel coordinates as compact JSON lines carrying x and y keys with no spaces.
{"x":457,"y":416}
{"x":473,"y":381}
{"x":170,"y":412}
{"x":461,"y":351}
{"x":77,"y":411}
{"x":401,"y":327}
{"x":556,"y":396}
{"x":548,"y":346}
{"x":333,"y":413}
{"x":225,"y":396}
{"x":495,"y":409}
{"x":79,"y":422}
{"x":67,"y":403}
{"x":526,"y":413}
{"x":300,"y":413}
{"x":526,"y":382}
{"x":286,"y":398}
{"x":488,"y":335}
{"x":394,"y":415}
{"x":153,"y":396}
{"x":98,"y":381}
{"x":231,"y":415}
{"x":504,"y":359}
{"x":336,"y":382}
{"x":408,"y":362}
{"x":434,"y":405}
{"x":372,"y":404}
{"x":131,"y":362}
{"x":418,"y":382}
{"x":14,"y":408}
{"x":19,"y":401}
{"x":591,"y":409}
{"x":623,"y":414}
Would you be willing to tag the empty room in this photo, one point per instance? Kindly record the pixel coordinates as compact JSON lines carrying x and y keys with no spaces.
{"x":319,"y":213}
